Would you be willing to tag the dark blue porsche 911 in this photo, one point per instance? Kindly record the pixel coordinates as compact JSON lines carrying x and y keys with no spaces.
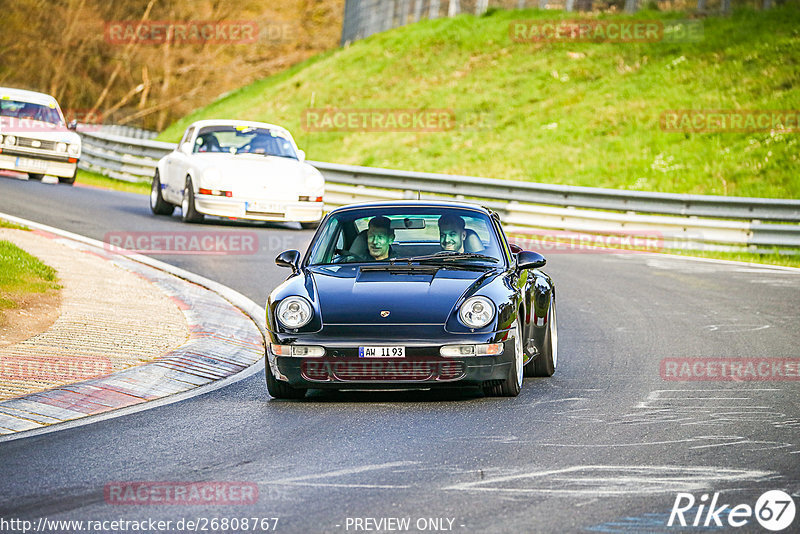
{"x":410,"y":294}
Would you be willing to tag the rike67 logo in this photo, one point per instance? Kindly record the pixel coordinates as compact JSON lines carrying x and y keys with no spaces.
{"x":774,"y":510}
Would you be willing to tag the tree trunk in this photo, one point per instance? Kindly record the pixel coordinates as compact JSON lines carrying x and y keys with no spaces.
{"x":454,"y":8}
{"x":433,"y":9}
{"x":630,"y":6}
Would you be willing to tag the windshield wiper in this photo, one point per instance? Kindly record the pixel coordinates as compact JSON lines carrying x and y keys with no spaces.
{"x":449,"y":256}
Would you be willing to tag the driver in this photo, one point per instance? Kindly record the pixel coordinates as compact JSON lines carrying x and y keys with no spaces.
{"x":380,"y":237}
{"x":452,"y":232}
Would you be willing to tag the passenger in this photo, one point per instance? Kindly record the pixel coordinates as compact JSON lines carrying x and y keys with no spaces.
{"x":380,"y":237}
{"x":452,"y":232}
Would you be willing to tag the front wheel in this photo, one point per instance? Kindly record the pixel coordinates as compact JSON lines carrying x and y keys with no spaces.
{"x":158,"y":205}
{"x":69,"y":180}
{"x":281,"y":390}
{"x":512,"y":385}
{"x":35,"y":176}
{"x":546,"y":362}
{"x":188,"y":212}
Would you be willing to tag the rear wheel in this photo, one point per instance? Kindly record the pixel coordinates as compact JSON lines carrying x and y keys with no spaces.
{"x":511,"y":386}
{"x":546,"y":362}
{"x":309,"y":225}
{"x":158,"y":205}
{"x":281,"y":390}
{"x":188,"y":211}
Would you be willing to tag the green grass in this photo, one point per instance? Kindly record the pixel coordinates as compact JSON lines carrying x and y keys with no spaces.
{"x":582,"y":114}
{"x":13,"y":226}
{"x":775,"y":258}
{"x":22,"y":274}
{"x":98,"y":180}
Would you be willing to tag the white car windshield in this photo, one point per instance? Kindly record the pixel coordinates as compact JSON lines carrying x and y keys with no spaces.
{"x":243,"y":140}
{"x":30,"y":111}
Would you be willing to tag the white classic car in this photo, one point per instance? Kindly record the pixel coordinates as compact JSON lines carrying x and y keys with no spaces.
{"x":238,"y":169}
{"x":34,"y":138}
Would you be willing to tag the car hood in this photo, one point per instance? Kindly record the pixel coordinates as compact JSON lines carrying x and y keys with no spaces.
{"x":348,"y":295}
{"x":253,"y":174}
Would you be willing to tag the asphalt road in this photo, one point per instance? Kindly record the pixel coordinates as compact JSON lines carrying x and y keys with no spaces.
{"x":604,"y":445}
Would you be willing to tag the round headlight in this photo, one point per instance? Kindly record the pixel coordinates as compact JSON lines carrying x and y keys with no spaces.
{"x":294,"y":312}
{"x":74,"y":149}
{"x":10,"y":140}
{"x":476,"y":312}
{"x":61,"y":147}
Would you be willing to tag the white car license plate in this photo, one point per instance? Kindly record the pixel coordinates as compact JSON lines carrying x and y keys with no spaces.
{"x":35,"y":164}
{"x":264,"y":207}
{"x":382,"y":352}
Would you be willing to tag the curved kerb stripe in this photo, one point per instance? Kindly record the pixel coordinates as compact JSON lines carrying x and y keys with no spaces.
{"x":223,"y":341}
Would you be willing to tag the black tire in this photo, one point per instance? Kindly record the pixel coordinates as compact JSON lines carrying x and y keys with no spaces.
{"x":188,"y":212}
{"x":281,"y":390}
{"x":512,"y":385}
{"x":158,"y":205}
{"x":69,"y":180}
{"x":546,"y":362}
{"x":35,"y":176}
{"x":309,"y":225}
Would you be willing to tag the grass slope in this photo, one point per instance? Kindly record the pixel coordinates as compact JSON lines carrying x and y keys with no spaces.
{"x":22,"y":274}
{"x":580,"y":113}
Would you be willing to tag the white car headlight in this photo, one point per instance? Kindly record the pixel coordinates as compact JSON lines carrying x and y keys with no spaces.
{"x":476,"y":312}
{"x":74,"y":149}
{"x":294,"y":312}
{"x":10,"y":140}
{"x":61,"y":147}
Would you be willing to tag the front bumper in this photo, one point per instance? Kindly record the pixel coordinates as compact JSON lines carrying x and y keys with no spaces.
{"x":38,"y":164}
{"x":422,"y":367}
{"x":249,"y":209}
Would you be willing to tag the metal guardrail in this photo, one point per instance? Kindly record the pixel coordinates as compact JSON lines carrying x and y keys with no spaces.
{"x":682,"y":221}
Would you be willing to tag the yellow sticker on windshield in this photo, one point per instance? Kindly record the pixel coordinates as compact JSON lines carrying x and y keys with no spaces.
{"x":52,"y":105}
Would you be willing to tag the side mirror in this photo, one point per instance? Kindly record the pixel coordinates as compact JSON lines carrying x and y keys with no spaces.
{"x":289,"y":258}
{"x":73,"y":125}
{"x":301,"y":155}
{"x":530,"y":260}
{"x":516,"y":249}
{"x":186,"y":148}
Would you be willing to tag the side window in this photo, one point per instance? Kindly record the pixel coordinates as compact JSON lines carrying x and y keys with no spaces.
{"x":187,"y":137}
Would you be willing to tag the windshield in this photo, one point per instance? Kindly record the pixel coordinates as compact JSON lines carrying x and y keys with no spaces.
{"x":30,"y":111}
{"x":441,"y":235}
{"x":244,"y":140}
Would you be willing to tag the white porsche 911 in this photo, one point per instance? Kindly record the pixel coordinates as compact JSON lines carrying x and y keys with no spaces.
{"x":238,"y":169}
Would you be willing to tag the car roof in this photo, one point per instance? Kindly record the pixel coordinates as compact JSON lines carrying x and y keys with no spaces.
{"x":232,"y":122}
{"x":8,"y":93}
{"x":450,"y":204}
